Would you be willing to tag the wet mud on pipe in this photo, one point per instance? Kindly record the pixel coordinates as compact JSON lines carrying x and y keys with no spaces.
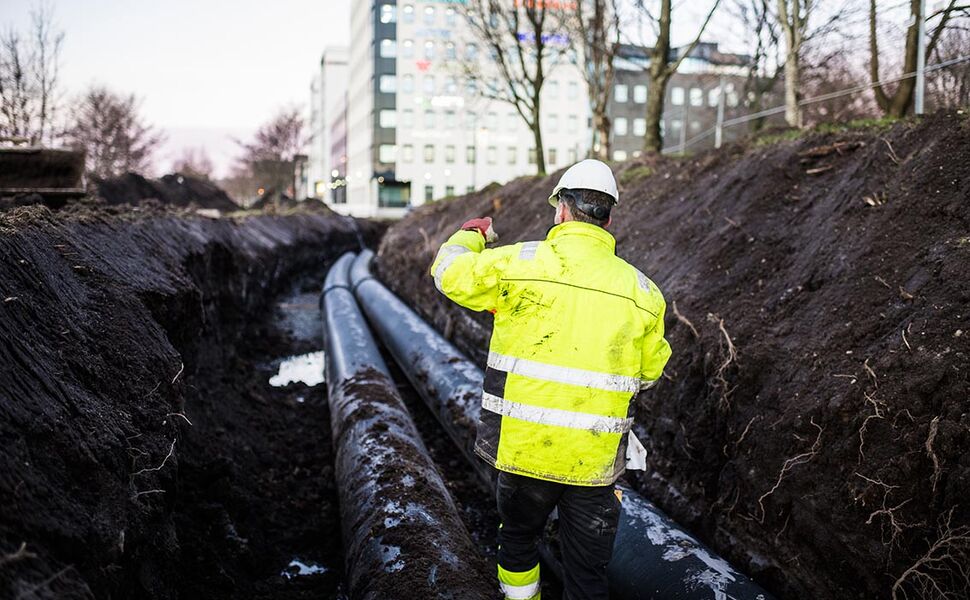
{"x":653,"y":558}
{"x":402,"y":535}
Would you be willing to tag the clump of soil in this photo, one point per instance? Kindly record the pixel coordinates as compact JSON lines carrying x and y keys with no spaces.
{"x":117,"y":328}
{"x":812,"y":422}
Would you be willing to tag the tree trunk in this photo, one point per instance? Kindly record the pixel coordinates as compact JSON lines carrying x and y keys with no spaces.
{"x":793,"y":25}
{"x":793,"y":112}
{"x":656,"y":92}
{"x":540,"y":152}
{"x":601,"y":132}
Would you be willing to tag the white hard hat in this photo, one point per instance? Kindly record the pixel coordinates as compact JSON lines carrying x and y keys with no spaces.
{"x":588,"y":174}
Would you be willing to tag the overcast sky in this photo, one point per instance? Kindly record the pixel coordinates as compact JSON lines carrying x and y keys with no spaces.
{"x":205,"y":70}
{"x":210,"y":70}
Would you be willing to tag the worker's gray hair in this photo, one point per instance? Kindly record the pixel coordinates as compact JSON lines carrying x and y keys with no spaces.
{"x":588,"y":206}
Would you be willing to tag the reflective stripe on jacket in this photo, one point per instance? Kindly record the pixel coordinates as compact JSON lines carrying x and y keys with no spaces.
{"x":578,"y":331}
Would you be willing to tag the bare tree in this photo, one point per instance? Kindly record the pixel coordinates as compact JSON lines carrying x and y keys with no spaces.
{"x":29,"y":68}
{"x":900,"y":101}
{"x":597,"y":28}
{"x":950,"y":88}
{"x":661,"y":68}
{"x":281,"y":138}
{"x":194,"y":162}
{"x":525,"y":42}
{"x":759,"y":29}
{"x":268,"y":159}
{"x":114,"y":136}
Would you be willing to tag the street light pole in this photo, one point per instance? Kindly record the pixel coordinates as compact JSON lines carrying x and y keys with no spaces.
{"x":921,"y":58}
{"x":719,"y":126}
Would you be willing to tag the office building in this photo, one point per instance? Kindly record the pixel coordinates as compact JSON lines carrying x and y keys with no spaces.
{"x":417,"y":132}
{"x":328,"y":90}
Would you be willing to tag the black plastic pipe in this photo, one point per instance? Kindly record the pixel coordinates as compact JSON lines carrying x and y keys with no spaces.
{"x":402,"y":534}
{"x":653,"y":558}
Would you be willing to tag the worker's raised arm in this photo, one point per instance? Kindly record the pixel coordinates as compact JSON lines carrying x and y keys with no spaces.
{"x":465,"y":271}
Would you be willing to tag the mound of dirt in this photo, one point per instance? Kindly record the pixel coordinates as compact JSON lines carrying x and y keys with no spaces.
{"x":116,"y":333}
{"x":171,"y":190}
{"x":813,"y":422}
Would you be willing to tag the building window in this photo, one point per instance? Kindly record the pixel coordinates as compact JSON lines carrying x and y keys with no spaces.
{"x":639,"y":127}
{"x":428,"y":84}
{"x":552,"y":157}
{"x":512,"y":121}
{"x":407,"y":153}
{"x":388,"y":84}
{"x":429,"y":119}
{"x":532,"y":156}
{"x":470,"y":155}
{"x":471,"y":120}
{"x":409,"y":13}
{"x":429,"y":15}
{"x":619,"y":126}
{"x":572,"y":124}
{"x":713,"y":96}
{"x":407,"y":49}
{"x":572,"y":90}
{"x":451,"y":85}
{"x":470,"y":189}
{"x":387,"y":153}
{"x":491,"y":155}
{"x":450,"y":17}
{"x":471,"y":51}
{"x":450,"y":52}
{"x":572,"y":156}
{"x":696,"y":97}
{"x":675,"y":125}
{"x":429,"y":50}
{"x":407,"y":84}
{"x":388,"y":118}
{"x":640,"y":94}
{"x":450,"y":120}
{"x":621,"y":93}
{"x":695,"y":126}
{"x":388,"y":48}
{"x":677,"y":96}
{"x":449,"y":154}
{"x":428,"y":193}
{"x":491,"y":121}
{"x":389,"y":13}
{"x":449,"y":189}
{"x":732,"y":96}
{"x":512,"y":155}
{"x":552,"y":89}
{"x":552,"y":123}
{"x":619,"y":155}
{"x":429,"y":153}
{"x":407,"y":118}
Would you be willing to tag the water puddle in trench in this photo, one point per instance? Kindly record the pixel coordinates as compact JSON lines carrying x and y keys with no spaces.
{"x":305,"y":368}
{"x":298,"y":568}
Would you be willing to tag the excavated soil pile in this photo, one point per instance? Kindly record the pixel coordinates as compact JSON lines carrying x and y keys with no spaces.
{"x":144,"y":453}
{"x":813,"y":421}
{"x":171,"y":190}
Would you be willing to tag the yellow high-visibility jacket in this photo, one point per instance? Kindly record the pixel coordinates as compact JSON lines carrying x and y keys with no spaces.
{"x":578,"y":332}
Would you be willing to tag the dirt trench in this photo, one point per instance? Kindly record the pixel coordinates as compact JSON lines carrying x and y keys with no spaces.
{"x":812,"y":422}
{"x":145,"y":453}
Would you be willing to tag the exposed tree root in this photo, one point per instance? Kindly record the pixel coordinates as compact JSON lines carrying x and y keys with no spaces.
{"x":934,"y":428}
{"x":789,"y":465}
{"x":944,"y":571}
{"x":683,"y":319}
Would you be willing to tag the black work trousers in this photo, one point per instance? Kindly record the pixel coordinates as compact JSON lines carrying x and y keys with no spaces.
{"x":588,"y":517}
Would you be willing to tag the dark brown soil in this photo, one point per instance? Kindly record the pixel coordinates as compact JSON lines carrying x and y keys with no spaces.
{"x":836,"y":264}
{"x":110,"y":323}
{"x":171,"y":190}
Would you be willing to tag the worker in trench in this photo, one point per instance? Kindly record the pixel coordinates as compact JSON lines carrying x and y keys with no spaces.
{"x":578,"y":332}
